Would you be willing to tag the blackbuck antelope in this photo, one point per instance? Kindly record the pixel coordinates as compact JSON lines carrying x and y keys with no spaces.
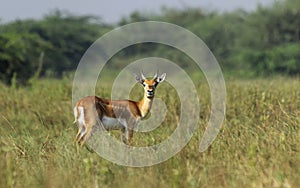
{"x":115,"y":114}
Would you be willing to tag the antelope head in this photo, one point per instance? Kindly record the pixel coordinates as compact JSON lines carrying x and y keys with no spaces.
{"x":150,"y":84}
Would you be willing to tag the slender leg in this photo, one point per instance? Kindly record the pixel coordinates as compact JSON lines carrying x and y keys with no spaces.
{"x":82,"y":135}
{"x":87,"y":134}
{"x":123,"y":136}
{"x":129,"y":135}
{"x":131,"y":122}
{"x":77,"y":135}
{"x":90,"y":120}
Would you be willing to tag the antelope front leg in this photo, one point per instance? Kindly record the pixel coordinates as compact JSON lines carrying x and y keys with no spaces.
{"x":123,"y":136}
{"x":126,"y":136}
{"x":129,"y":135}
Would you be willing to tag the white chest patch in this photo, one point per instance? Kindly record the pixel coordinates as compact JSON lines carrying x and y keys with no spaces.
{"x":113,"y":123}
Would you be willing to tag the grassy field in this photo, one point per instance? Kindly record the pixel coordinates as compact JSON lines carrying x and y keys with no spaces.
{"x":258,"y":145}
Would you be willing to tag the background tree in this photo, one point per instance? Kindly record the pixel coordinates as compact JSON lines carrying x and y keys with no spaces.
{"x":59,"y":38}
{"x":262,"y":42}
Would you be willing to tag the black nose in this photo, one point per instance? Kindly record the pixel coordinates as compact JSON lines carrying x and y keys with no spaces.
{"x":150,"y":92}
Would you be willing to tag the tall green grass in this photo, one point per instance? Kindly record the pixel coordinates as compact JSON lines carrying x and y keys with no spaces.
{"x":258,"y":145}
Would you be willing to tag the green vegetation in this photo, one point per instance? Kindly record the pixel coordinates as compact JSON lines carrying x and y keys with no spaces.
{"x":248,"y":44}
{"x":55,"y":44}
{"x":258,"y":144}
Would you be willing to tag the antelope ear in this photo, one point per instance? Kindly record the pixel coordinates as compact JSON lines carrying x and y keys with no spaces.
{"x":161,"y":78}
{"x":139,"y":79}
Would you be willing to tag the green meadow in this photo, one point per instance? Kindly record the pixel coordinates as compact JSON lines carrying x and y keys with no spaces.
{"x":257,"y":146}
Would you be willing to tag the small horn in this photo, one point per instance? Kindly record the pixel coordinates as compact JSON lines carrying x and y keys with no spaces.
{"x":143,"y":76}
{"x":155,"y":76}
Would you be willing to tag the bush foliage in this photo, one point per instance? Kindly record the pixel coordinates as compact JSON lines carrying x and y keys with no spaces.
{"x":261,"y":42}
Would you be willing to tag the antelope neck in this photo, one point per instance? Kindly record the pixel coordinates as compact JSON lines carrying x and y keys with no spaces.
{"x":145,"y":105}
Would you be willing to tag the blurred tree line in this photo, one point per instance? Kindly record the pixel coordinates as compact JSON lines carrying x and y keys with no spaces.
{"x":47,"y":47}
{"x":257,"y":43}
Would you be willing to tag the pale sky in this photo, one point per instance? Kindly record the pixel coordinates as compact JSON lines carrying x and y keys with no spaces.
{"x":111,"y":11}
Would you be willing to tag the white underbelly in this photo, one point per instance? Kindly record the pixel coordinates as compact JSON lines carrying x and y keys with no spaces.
{"x":113,"y":123}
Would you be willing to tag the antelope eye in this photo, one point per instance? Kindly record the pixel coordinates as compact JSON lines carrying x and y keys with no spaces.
{"x":144,"y":84}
